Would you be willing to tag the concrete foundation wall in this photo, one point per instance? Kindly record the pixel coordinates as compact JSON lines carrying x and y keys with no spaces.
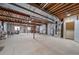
{"x":5,"y":27}
{"x":22,"y":29}
{"x":10,"y":27}
{"x":43,"y":29}
{"x":37,"y":29}
{"x":51,"y":29}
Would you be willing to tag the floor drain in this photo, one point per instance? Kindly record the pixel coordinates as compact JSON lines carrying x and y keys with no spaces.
{"x":1,"y":48}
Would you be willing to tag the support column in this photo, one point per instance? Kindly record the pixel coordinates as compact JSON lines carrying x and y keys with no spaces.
{"x":34,"y":31}
{"x":39,"y":29}
{"x":46,"y":29}
{"x":2,"y":25}
{"x":56,"y":28}
{"x":62,"y":29}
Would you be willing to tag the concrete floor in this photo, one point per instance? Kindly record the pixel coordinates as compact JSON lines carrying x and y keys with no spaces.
{"x":23,"y":44}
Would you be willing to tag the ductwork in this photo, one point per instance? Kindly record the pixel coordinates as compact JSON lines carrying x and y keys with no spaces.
{"x":30,"y":10}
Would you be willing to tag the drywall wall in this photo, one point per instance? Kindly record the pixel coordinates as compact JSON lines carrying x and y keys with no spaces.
{"x":76,"y":33}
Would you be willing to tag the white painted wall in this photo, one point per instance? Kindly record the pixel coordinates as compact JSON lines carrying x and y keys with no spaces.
{"x":76,"y":33}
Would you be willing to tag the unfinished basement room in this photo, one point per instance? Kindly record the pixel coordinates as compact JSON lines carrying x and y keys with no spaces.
{"x":39,"y":28}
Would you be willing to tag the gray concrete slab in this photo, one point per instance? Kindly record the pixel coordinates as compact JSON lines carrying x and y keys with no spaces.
{"x":24,"y":44}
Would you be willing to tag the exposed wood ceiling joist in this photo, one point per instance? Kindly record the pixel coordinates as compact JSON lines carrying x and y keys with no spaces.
{"x":9,"y":15}
{"x":60,"y":9}
{"x":65,"y":8}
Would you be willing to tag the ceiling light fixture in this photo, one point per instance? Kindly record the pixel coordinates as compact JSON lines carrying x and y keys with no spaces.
{"x":68,"y":14}
{"x":29,"y":21}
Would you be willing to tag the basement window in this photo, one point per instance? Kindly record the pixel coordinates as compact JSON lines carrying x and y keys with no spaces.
{"x":17,"y":28}
{"x":29,"y":28}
